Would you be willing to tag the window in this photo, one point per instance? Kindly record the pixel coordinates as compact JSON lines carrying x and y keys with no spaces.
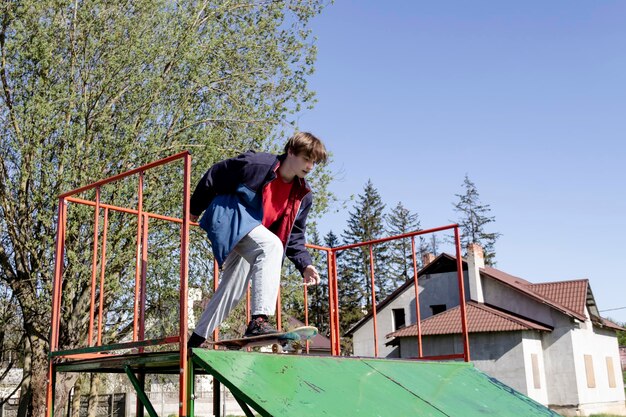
{"x":610,"y":371}
{"x":536,"y":376}
{"x":438,"y":308}
{"x":398,"y":318}
{"x":591,"y":378}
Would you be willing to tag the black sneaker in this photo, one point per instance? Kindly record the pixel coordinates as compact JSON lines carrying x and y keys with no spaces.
{"x":259,"y":327}
{"x":195,"y":340}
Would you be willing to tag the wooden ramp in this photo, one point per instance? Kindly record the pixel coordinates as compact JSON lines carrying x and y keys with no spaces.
{"x":291,"y":385}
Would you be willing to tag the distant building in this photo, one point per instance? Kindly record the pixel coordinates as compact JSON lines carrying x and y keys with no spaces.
{"x":546,"y":340}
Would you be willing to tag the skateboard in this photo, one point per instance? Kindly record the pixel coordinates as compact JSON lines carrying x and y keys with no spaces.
{"x":278,"y":341}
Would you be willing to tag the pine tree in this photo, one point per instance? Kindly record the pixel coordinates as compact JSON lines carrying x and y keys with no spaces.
{"x":401,"y":221}
{"x":331,"y":240}
{"x":349,"y":291}
{"x":473,"y":217}
{"x":433,"y":245}
{"x":364,"y":224}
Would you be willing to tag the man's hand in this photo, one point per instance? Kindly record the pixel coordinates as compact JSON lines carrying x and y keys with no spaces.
{"x":311,"y":276}
{"x":193,"y":218}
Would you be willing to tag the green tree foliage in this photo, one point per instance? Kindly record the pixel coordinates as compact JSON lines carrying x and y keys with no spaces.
{"x":621,"y":336}
{"x":365,"y":223}
{"x":94,"y":88}
{"x":474,"y":216}
{"x":401,"y":221}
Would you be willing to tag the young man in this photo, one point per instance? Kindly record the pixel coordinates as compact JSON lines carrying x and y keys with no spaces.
{"x":256,"y":206}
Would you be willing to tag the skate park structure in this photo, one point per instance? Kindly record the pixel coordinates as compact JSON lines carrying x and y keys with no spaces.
{"x":265,"y":384}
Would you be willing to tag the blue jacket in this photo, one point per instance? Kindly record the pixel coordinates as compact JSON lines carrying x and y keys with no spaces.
{"x":231,"y":192}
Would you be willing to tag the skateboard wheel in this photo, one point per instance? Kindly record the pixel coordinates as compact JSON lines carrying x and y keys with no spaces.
{"x":276,"y":348}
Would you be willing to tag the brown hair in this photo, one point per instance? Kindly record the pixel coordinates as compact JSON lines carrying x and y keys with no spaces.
{"x":306,"y":143}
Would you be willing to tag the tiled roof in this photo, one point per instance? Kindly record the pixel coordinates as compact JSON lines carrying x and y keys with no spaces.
{"x":527,"y":288}
{"x":611,"y":325}
{"x":570,"y":294}
{"x":480,"y":319}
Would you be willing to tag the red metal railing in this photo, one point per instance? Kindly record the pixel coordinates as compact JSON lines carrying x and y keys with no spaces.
{"x":139,"y":299}
{"x":335,"y":332}
{"x":95,"y":348}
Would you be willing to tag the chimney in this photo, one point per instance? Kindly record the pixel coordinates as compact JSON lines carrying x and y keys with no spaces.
{"x":427,"y":258}
{"x":475,"y":261}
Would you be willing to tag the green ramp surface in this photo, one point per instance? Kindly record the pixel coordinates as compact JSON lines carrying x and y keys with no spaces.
{"x":292,"y":385}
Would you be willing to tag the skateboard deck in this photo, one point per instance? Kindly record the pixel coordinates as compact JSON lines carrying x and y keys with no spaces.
{"x":276,"y":340}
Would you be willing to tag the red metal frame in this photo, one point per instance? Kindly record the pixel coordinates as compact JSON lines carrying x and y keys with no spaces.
{"x":306,"y":313}
{"x":136,"y":306}
{"x":102,"y":270}
{"x":459,"y":268}
{"x":94,"y":267}
{"x":333,"y":297}
{"x":184,"y":275}
{"x":95,"y":348}
{"x":216,"y":272}
{"x":418,"y":319}
{"x":140,"y":276}
{"x":373,"y":287}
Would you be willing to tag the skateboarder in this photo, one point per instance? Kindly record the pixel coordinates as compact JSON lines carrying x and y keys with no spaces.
{"x":255,"y":209}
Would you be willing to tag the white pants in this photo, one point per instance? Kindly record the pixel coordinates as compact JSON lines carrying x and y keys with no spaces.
{"x":258,"y":258}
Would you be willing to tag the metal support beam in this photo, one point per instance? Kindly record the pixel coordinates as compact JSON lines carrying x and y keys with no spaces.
{"x":244,"y":407}
{"x":217,"y":409}
{"x":141,"y":395}
{"x":191,"y":386}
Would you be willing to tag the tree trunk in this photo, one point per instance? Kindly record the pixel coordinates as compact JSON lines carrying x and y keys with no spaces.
{"x":92,"y":405}
{"x":64,"y":383}
{"x":39,"y":375}
{"x":76,"y":398}
{"x":33,"y":393}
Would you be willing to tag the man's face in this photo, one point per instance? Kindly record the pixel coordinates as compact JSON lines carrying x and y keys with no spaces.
{"x":301,"y":164}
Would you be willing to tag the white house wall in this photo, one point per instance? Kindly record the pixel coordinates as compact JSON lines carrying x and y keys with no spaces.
{"x":439,"y":289}
{"x":598,"y":345}
{"x":363,"y":338}
{"x":536,"y":383}
{"x":501,"y":356}
{"x":505,"y":297}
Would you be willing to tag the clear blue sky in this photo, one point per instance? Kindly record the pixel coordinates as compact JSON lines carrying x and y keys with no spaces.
{"x":528,"y":98}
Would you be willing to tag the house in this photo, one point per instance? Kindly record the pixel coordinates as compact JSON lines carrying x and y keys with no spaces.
{"x":546,"y":340}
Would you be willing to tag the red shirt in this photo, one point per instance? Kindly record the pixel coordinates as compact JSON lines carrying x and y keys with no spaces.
{"x":275,"y":199}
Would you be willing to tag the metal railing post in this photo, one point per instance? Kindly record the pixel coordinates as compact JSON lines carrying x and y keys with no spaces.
{"x":459,"y":267}
{"x":94,"y":267}
{"x":138,"y":259}
{"x":418,"y":319}
{"x":102,"y":270}
{"x":184,"y":276}
{"x":373,"y":285}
